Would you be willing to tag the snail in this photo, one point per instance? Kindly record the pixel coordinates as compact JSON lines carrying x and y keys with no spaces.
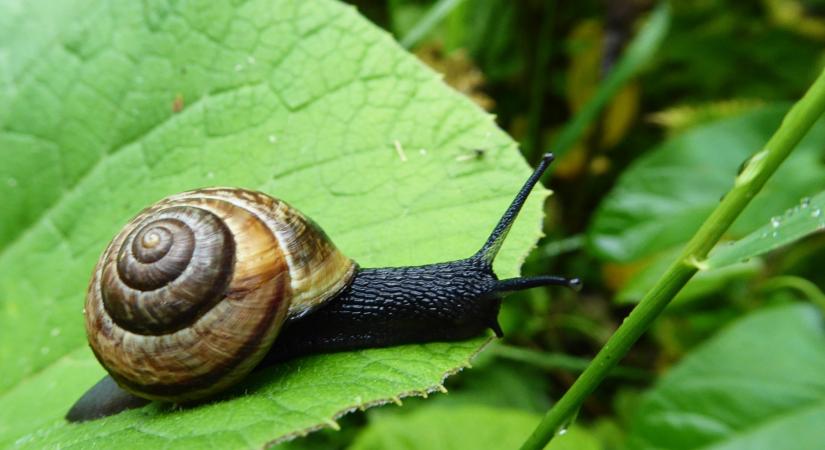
{"x":202,"y":287}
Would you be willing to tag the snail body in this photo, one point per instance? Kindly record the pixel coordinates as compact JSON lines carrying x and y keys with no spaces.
{"x":202,"y":287}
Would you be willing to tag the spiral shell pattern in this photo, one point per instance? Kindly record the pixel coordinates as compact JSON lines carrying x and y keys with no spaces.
{"x":191,"y":294}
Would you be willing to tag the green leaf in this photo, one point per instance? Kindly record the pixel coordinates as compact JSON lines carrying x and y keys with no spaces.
{"x":802,"y":220}
{"x":461,"y":427}
{"x":278,"y":403}
{"x":119,"y":104}
{"x":661,"y":200}
{"x":493,"y":382}
{"x":746,"y":388}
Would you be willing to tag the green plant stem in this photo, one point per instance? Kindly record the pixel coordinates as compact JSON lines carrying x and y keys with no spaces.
{"x":560,"y":361}
{"x":586,"y":327}
{"x":754,"y":175}
{"x":431,"y":19}
{"x":640,"y":50}
{"x":539,"y":80}
{"x":561,"y":246}
{"x":810,"y":290}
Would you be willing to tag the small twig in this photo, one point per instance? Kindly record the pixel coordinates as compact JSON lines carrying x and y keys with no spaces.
{"x":560,"y":361}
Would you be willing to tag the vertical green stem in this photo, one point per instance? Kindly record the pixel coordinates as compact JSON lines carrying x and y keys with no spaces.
{"x":810,"y":290}
{"x":756,"y":172}
{"x":539,"y":80}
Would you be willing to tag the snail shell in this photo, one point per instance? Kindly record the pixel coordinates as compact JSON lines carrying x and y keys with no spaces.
{"x":191,"y":294}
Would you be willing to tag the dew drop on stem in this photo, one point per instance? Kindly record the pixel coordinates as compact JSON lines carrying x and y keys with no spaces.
{"x":567,"y":424}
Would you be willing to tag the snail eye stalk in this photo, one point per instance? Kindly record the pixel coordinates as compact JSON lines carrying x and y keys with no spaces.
{"x":519,"y":284}
{"x":490,"y":249}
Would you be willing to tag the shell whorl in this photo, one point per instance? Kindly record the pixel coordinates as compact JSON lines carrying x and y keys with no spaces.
{"x":191,"y":294}
{"x":170,"y":269}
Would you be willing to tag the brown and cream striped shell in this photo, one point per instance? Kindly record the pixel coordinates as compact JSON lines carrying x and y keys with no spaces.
{"x":191,"y":294}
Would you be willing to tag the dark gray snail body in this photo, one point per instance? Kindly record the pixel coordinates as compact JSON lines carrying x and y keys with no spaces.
{"x":306,"y":299}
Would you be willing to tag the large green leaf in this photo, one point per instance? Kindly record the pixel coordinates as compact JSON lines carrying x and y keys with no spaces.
{"x":662,"y":199}
{"x":109,"y":106}
{"x":278,"y":403}
{"x":757,"y":385}
{"x":795,"y":223}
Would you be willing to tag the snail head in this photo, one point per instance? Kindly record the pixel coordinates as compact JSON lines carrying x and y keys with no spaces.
{"x":487,"y":254}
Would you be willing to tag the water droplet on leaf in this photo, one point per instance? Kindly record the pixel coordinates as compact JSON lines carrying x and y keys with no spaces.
{"x":776,"y":221}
